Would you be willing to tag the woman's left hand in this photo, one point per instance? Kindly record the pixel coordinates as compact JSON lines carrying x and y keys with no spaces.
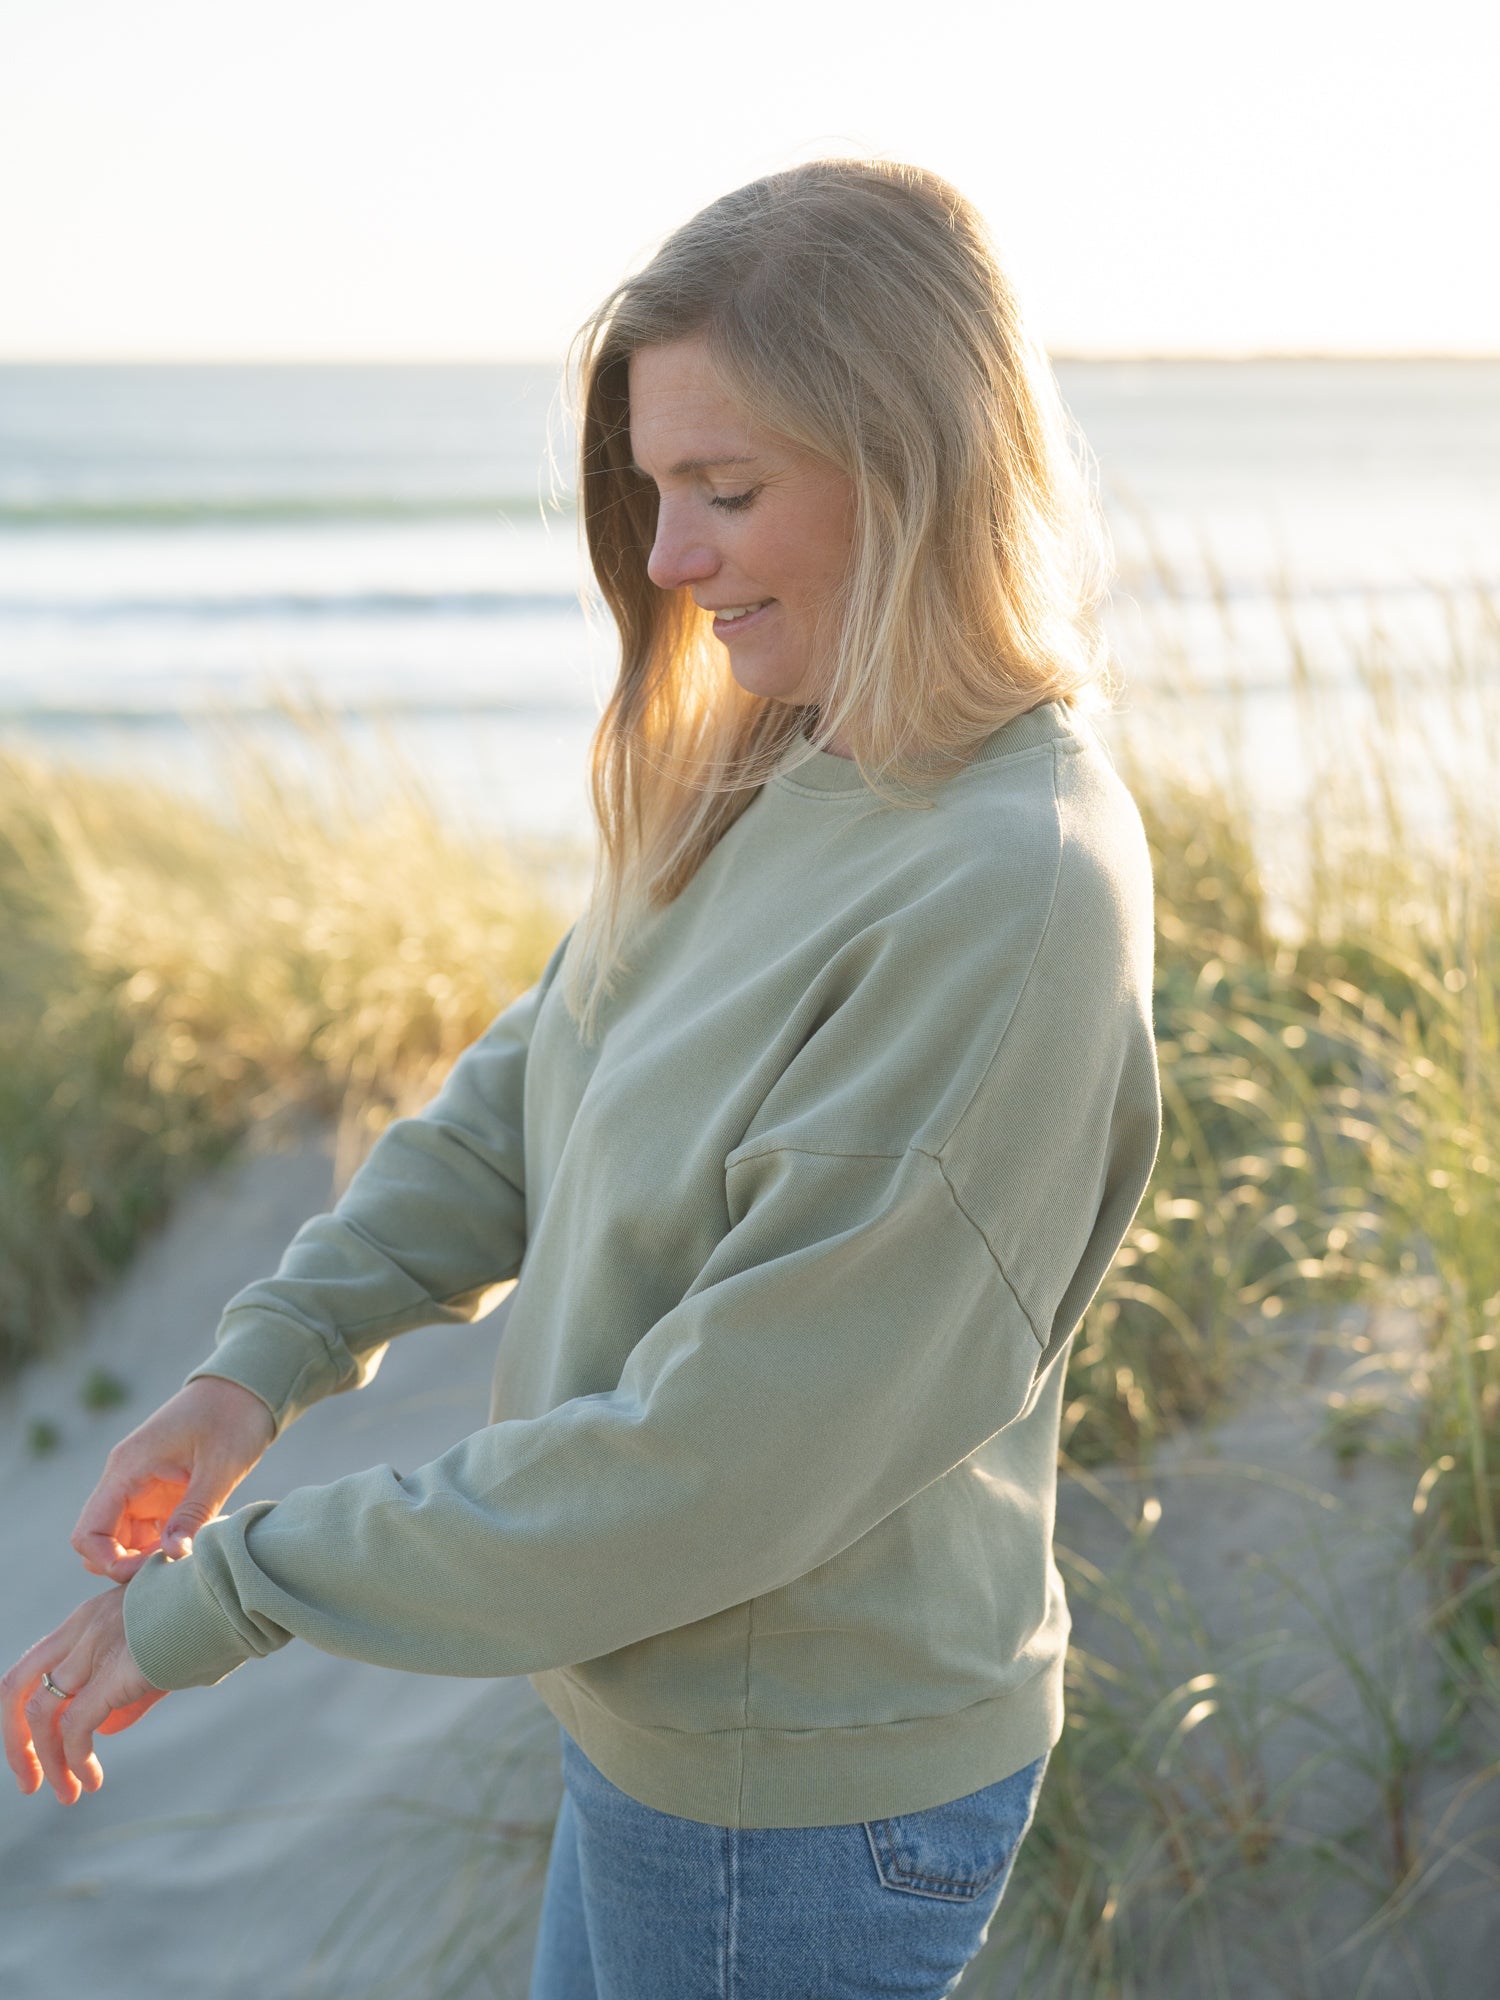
{"x":51,"y":1736}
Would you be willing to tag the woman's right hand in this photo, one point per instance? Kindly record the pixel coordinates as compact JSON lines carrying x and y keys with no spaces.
{"x":172,"y":1473}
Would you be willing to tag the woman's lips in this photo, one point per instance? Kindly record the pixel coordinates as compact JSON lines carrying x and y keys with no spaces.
{"x":730,"y":628}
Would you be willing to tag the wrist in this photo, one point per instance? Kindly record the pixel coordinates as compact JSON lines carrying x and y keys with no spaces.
{"x":274,"y":1358}
{"x":231,"y":1400}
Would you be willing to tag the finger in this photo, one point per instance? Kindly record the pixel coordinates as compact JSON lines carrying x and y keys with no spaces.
{"x":121,"y":1566}
{"x":104,"y":1556}
{"x":81,"y":1717}
{"x":125,"y":1567}
{"x":18,"y":1688}
{"x":121,"y":1524}
{"x":27,"y":1767}
{"x":90,"y":1677}
{"x":15,"y":1689}
{"x":137,"y":1533}
{"x":93,"y":1534}
{"x":119,"y":1555}
{"x":206,"y":1493}
{"x":100,"y":1553}
{"x":44,"y":1716}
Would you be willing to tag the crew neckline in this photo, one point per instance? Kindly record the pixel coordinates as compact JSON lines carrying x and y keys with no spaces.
{"x":822,"y":771}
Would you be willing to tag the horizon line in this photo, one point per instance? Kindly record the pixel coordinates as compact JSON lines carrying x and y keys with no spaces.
{"x":458,"y":360}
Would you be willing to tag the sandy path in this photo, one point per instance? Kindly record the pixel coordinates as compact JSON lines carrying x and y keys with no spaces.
{"x":236,"y":1823}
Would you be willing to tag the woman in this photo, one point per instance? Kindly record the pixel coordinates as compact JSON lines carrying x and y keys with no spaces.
{"x":810,"y":1147}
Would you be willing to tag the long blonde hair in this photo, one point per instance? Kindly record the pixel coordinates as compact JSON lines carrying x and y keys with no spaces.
{"x":857,"y":308}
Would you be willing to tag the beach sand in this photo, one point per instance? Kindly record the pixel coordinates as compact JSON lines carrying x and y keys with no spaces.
{"x":317,"y":1828}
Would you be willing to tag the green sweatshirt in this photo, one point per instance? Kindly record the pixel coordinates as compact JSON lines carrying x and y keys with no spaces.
{"x":765,"y":1503}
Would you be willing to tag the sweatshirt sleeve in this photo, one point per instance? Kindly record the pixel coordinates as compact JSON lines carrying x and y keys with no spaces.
{"x":853,"y":1336}
{"x":434,"y":1217}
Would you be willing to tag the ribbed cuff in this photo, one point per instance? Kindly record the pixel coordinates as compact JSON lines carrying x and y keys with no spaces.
{"x":285,"y":1364}
{"x":177,"y":1634}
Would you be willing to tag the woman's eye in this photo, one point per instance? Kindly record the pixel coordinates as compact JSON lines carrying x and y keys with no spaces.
{"x":732,"y":502}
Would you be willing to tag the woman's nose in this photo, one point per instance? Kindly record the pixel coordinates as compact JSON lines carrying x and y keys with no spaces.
{"x":679,"y":555}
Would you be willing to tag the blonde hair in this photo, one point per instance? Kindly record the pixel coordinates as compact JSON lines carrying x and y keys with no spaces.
{"x":857,"y":308}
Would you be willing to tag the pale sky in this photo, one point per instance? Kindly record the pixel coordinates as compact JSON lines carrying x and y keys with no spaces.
{"x":462,"y":178}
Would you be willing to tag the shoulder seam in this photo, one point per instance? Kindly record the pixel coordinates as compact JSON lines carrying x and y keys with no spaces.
{"x":1041,"y":940}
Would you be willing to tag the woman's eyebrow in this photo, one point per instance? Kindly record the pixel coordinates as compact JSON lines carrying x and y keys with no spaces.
{"x":686,"y":465}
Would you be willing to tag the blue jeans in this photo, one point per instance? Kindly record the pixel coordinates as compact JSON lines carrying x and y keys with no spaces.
{"x":644,"y":1905}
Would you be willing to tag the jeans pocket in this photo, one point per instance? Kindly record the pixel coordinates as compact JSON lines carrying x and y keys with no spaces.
{"x":960,"y":1851}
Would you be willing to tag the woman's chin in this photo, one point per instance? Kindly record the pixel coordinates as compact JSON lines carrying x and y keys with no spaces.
{"x":772,"y":682}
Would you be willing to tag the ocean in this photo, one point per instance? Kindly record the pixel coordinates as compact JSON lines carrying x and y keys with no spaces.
{"x":183,"y":546}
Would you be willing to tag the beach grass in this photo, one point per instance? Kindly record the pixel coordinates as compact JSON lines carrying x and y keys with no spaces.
{"x":1360,"y":1037}
{"x":179,"y":976}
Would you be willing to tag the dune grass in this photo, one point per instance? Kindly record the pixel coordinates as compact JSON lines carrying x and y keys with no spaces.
{"x":174,"y":976}
{"x":1353,"y":1043}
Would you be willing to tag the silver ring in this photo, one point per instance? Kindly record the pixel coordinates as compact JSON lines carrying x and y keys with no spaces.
{"x":52,"y":1688}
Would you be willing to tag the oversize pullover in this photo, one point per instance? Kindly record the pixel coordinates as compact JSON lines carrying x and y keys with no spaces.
{"x":765,"y":1503}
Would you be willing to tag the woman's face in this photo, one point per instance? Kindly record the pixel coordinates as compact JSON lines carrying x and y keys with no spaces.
{"x":756,"y":528}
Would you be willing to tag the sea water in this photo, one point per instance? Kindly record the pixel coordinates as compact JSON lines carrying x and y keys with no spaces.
{"x":182,"y":543}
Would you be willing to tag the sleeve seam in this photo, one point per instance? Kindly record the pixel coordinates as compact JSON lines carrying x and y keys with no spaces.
{"x":921,"y":1152}
{"x":815,"y":1153}
{"x":990,"y":1250}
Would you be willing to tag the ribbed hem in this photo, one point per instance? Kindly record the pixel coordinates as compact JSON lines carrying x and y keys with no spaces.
{"x":176,"y":1632}
{"x":813,"y":1777}
{"x":801,"y":770}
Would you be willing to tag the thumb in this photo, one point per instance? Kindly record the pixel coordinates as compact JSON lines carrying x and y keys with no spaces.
{"x":206,"y":1490}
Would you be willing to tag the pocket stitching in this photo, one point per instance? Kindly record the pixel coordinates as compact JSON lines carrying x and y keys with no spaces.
{"x":895,"y":1875}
